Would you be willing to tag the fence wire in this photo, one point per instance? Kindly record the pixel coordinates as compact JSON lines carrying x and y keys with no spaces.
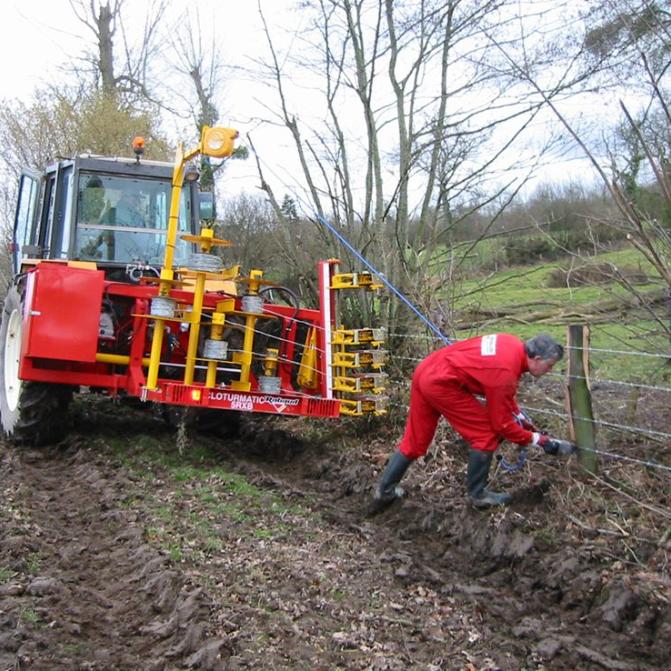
{"x":555,"y":376}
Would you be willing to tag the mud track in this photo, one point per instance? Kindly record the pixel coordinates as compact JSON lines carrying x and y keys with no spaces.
{"x":109,"y":560}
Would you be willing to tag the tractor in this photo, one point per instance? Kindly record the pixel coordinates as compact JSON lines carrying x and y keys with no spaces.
{"x":118,"y":289}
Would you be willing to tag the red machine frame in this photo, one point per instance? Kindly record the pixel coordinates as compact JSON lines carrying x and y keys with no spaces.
{"x":61,"y":343}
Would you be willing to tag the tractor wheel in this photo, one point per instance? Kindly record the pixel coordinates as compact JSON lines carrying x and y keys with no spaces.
{"x":31,"y":412}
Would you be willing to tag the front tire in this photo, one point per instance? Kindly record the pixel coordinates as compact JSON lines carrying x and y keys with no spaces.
{"x":32,"y":413}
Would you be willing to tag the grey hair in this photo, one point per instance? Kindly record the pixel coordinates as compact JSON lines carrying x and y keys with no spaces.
{"x":544,"y":346}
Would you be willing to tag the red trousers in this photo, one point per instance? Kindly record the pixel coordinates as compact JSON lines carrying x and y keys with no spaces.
{"x":434,"y":392}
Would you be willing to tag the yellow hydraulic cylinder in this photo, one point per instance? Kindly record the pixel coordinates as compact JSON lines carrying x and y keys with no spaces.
{"x":218,"y":321}
{"x":307,"y":371}
{"x":194,"y":329}
{"x":244,"y":358}
{"x":155,"y":354}
{"x":270,"y":362}
{"x":117,"y":359}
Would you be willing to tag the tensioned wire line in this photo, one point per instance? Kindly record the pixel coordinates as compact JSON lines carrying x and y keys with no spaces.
{"x":287,"y":340}
{"x":623,"y":427}
{"x":602,"y":380}
{"x":592,"y":379}
{"x":613,"y":425}
{"x":345,"y":242}
{"x":631,"y":429}
{"x":561,"y":376}
{"x":612,"y":455}
{"x":656,"y":355}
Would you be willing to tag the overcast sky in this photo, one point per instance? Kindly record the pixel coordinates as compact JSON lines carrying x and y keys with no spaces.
{"x":40,"y":36}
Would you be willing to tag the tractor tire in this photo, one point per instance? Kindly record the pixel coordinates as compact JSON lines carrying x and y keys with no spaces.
{"x":32,"y":413}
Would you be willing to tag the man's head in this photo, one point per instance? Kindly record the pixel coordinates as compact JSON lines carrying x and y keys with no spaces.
{"x":543,"y":352}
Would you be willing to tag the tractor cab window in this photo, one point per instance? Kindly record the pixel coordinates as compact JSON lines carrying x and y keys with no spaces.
{"x":25,"y":217}
{"x":125,"y":220}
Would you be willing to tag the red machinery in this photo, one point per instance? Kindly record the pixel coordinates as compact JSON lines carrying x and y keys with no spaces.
{"x":92,"y":307}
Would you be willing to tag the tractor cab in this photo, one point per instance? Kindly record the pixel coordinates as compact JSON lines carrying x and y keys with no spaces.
{"x":119,"y":290}
{"x":109,"y":211}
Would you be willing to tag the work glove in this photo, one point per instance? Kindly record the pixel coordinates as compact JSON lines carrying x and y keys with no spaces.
{"x":524,"y":421}
{"x":553,"y":445}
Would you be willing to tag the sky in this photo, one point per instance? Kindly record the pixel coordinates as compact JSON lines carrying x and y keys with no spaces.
{"x":39,"y":36}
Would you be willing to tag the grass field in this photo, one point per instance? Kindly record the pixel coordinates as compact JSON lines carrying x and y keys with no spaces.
{"x":517,"y":297}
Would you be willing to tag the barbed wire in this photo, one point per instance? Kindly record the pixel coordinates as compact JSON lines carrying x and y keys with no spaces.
{"x":594,"y":380}
{"x":418,"y":359}
{"x":612,"y":425}
{"x":622,"y":457}
{"x":600,"y":380}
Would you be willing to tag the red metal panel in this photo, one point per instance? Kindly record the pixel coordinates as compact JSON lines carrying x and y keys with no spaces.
{"x":63,"y":318}
{"x":244,"y":401}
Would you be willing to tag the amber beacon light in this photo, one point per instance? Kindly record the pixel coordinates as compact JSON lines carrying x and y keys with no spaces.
{"x":218,"y":142}
{"x":138,"y":145}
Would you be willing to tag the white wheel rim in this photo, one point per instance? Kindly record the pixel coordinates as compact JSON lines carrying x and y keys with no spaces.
{"x":12,"y":356}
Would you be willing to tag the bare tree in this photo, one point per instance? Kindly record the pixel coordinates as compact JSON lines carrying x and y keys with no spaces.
{"x":119,"y":64}
{"x":199,"y":62}
{"x":415,"y":100}
{"x":624,"y":47}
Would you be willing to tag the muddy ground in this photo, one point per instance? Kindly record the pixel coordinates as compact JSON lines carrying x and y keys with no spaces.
{"x":128,"y":546}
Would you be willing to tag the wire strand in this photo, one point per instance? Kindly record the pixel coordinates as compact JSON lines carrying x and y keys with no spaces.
{"x":613,"y":425}
{"x":658,"y":355}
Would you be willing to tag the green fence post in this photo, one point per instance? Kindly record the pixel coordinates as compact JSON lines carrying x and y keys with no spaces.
{"x":580,"y":397}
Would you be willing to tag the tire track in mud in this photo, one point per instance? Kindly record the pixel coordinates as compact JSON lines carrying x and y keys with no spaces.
{"x":538,"y":606}
{"x":430,"y":584}
{"x":87,"y":592}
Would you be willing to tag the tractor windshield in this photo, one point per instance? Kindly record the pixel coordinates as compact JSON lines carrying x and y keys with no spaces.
{"x":125,"y":219}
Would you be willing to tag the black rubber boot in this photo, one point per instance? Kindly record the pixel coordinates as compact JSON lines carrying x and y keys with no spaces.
{"x":477,"y":474}
{"x":388,"y":489}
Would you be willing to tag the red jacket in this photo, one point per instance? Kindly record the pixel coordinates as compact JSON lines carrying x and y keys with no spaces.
{"x":489,"y":366}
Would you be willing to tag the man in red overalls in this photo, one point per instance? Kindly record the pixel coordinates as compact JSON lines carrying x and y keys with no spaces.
{"x":447,"y":382}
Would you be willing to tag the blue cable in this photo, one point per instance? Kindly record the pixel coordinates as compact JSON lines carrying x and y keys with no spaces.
{"x":385,"y":281}
{"x":513,"y":468}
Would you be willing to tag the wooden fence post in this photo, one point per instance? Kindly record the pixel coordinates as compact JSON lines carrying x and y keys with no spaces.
{"x":581,"y":418}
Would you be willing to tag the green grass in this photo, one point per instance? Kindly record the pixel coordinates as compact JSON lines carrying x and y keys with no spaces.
{"x":632,"y":330}
{"x":175,"y":553}
{"x":520,"y":285}
{"x":213,"y":544}
{"x":29,"y":615}
{"x":187,"y":525}
{"x":164,"y":513}
{"x":236,"y":484}
{"x":32,"y":563}
{"x":6,"y":574}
